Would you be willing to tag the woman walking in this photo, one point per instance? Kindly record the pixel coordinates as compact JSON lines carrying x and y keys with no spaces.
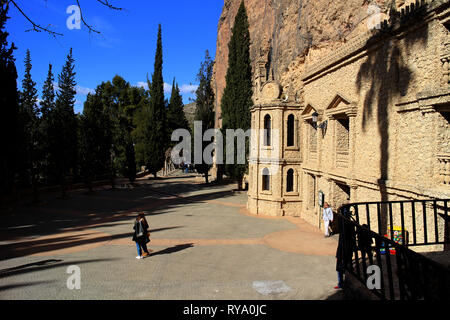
{"x":327,"y":218}
{"x":141,"y":235}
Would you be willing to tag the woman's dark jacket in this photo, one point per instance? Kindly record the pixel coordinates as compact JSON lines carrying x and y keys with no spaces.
{"x":137,"y":226}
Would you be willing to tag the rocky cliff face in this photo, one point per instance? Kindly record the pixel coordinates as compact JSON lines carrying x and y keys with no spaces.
{"x":289,"y":35}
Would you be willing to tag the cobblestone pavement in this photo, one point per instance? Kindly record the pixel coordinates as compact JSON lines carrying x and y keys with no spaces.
{"x":205,"y":246}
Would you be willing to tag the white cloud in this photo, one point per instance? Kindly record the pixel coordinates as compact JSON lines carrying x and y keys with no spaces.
{"x":79,"y":89}
{"x":184,"y":89}
{"x":167,"y":88}
{"x":188,"y":88}
{"x":142,"y":85}
{"x":84,"y":90}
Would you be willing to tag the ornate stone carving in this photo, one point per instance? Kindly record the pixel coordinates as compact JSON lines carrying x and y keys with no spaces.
{"x":270,"y":91}
{"x":445,"y":60}
{"x":443,"y":169}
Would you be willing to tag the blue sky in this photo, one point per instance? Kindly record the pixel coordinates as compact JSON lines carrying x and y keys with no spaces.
{"x":126,"y":45}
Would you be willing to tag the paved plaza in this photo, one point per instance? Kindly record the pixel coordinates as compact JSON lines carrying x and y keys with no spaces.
{"x":205,"y":246}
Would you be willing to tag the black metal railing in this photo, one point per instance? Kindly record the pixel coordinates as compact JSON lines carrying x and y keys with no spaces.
{"x":404,"y":273}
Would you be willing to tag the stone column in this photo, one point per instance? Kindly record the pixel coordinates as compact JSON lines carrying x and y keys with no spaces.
{"x":352,"y":142}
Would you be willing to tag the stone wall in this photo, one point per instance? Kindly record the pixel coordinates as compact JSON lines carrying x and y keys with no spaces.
{"x":385,"y":100}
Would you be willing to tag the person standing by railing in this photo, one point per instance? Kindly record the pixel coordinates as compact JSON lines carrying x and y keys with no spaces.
{"x":327,"y":218}
{"x":344,"y":251}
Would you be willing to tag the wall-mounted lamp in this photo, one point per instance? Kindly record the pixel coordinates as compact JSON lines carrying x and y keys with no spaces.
{"x":322,"y":126}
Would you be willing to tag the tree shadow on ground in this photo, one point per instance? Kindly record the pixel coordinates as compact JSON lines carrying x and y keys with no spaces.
{"x":177,"y":177}
{"x":44,"y":265}
{"x":36,"y":222}
{"x":26,"y":248}
{"x":24,"y":284}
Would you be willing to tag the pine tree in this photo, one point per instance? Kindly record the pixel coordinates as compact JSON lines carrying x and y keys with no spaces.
{"x":95,"y":138}
{"x":237,"y":96}
{"x":29,"y":123}
{"x":48,"y":93}
{"x":9,"y":102}
{"x":123,"y":127}
{"x":175,"y":114}
{"x":205,"y":107}
{"x":137,"y":112}
{"x":46,"y":136}
{"x":29,"y":91}
{"x":156,"y":131}
{"x":66,"y":124}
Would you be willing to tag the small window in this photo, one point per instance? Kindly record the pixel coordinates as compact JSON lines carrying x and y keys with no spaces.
{"x":447,"y":25}
{"x":290,"y":130}
{"x":343,"y":134}
{"x":312,"y":137}
{"x":290,"y":181}
{"x":267,"y":128}
{"x":446,"y":116}
{"x":265,"y":179}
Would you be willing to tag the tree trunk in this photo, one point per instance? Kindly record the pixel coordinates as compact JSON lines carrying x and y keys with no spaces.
{"x":63,"y":187}
{"x":239,"y":181}
{"x":206,"y":177}
{"x":35,"y":188}
{"x":35,"y":193}
{"x":219,"y":173}
{"x":113,"y":180}
{"x":89,"y":184}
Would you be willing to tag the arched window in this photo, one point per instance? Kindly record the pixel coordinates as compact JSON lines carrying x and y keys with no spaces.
{"x":290,"y":130}
{"x":267,"y":128}
{"x":265,"y":179}
{"x":290,"y":180}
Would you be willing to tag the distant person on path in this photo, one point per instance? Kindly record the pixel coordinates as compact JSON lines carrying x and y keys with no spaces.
{"x":327,"y":218}
{"x":141,"y":235}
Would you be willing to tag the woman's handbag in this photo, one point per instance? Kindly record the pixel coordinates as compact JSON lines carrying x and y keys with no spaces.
{"x":140,"y":230}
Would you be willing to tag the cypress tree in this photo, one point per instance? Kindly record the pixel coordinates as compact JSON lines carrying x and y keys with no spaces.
{"x":175,"y":114}
{"x":237,"y":96}
{"x":204,"y":111}
{"x":47,"y":136}
{"x":156,"y":134}
{"x":139,"y":134}
{"x":48,"y":93}
{"x":29,"y":91}
{"x":123,"y":127}
{"x":97,"y":109}
{"x":30,"y":128}
{"x":9,"y":102}
{"x":86,"y":148}
{"x":66,"y":124}
{"x":95,"y":138}
{"x":136,"y":112}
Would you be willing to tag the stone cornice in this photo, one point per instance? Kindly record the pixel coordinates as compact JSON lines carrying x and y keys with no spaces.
{"x":427,"y":100}
{"x":363,"y":42}
{"x":277,"y":104}
{"x":278,"y":161}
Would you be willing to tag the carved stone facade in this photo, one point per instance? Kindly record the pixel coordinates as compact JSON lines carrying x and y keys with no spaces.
{"x":382,"y":103}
